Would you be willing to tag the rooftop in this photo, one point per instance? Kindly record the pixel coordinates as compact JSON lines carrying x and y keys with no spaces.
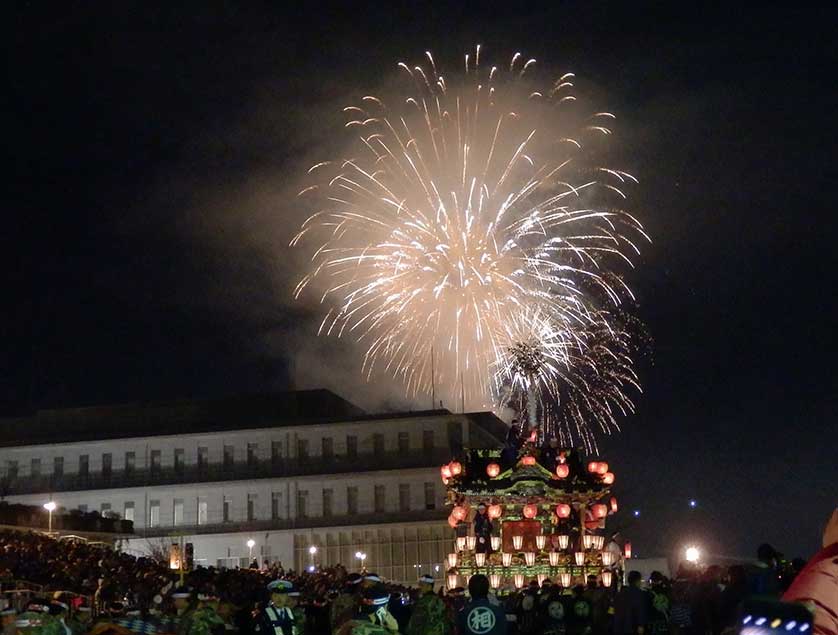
{"x":163,"y":418}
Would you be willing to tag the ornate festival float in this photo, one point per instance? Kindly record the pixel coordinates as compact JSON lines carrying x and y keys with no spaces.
{"x":532,"y":514}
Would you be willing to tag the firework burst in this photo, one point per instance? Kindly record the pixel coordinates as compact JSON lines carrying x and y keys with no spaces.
{"x":468,"y":207}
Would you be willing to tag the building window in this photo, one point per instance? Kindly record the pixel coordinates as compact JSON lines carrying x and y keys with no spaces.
{"x":202,"y":511}
{"x":84,"y":465}
{"x":327,"y":447}
{"x":154,"y":513}
{"x":180,"y":460}
{"x":177,"y":512}
{"x":302,"y":503}
{"x":352,"y":447}
{"x":128,"y":511}
{"x":404,"y":442}
{"x":203,"y":457}
{"x":11,"y":469}
{"x":229,"y":456}
{"x":104,"y":508}
{"x":276,"y":502}
{"x":378,"y":444}
{"x":107,"y":464}
{"x":328,"y":495}
{"x":380,"y":499}
{"x":276,"y":451}
{"x":35,"y":468}
{"x":302,"y":448}
{"x":155,"y":461}
{"x":227,"y":509}
{"x":251,"y":507}
{"x":252,"y":454}
{"x":351,"y":500}
{"x":58,"y":466}
{"x":83,"y":509}
{"x":430,"y":496}
{"x":130,"y":462}
{"x":428,"y":441}
{"x":404,"y":497}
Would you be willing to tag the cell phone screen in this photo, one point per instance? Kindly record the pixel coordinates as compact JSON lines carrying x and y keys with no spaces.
{"x":773,"y":617}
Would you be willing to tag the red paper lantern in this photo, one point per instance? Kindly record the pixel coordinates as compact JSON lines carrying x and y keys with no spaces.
{"x":494,"y":511}
{"x":532,"y":436}
{"x":530,"y":511}
{"x":593,"y":467}
{"x":614,"y":507}
{"x":493,"y":469}
{"x":445,"y":470}
{"x":627,"y":549}
{"x":452,"y":522}
{"x":600,"y":510}
{"x":602,"y":468}
{"x":456,"y":468}
{"x":608,"y":478}
{"x":562,"y":470}
{"x":459,"y":512}
{"x":528,"y":460}
{"x":563,"y":510}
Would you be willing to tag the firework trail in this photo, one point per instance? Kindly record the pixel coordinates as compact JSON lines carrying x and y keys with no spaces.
{"x":466,"y":206}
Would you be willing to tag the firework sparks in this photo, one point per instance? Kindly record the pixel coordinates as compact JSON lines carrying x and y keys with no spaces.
{"x":470,"y":209}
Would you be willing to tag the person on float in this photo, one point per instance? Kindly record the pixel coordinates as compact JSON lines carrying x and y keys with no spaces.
{"x":483,"y":530}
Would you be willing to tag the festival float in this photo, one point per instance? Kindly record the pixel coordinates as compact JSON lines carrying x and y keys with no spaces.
{"x":538,"y":513}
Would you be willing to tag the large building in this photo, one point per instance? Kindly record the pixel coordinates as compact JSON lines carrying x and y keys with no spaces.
{"x":287,"y":471}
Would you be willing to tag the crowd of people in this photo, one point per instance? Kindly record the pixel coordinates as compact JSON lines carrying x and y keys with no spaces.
{"x":84,"y":588}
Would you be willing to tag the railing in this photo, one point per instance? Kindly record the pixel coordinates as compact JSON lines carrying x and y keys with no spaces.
{"x":270,"y":468}
{"x":417,"y":515}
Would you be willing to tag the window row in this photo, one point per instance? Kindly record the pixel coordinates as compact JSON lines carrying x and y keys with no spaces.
{"x":201,"y":514}
{"x":252,"y":456}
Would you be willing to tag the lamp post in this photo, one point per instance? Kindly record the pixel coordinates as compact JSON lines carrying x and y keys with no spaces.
{"x":311,"y":551}
{"x":362,"y":557}
{"x":250,"y":544}
{"x":692,"y":554}
{"x":50,"y":507}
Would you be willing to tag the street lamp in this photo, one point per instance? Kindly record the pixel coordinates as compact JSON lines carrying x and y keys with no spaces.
{"x":311,"y":551}
{"x":692,"y":554}
{"x":361,"y":556}
{"x":50,"y":507}
{"x":250,"y":544}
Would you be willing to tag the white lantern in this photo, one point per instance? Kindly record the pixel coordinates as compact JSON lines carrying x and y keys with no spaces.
{"x":529,"y":558}
{"x":495,"y":543}
{"x":606,"y":578}
{"x":565,"y":578}
{"x":580,"y":558}
{"x":517,"y":541}
{"x":452,"y":560}
{"x":480,"y":559}
{"x":461,"y":543}
{"x":506,"y":559}
{"x":607,"y":558}
{"x":541,"y":579}
{"x":494,"y":580}
{"x":471,"y":542}
{"x":564,"y":541}
{"x":554,"y":558}
{"x":519,"y":580}
{"x":587,"y":541}
{"x":540,"y":541}
{"x":599,"y":542}
{"x":452,"y":580}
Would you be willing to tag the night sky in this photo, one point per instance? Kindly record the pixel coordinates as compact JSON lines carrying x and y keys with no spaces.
{"x":154,"y":152}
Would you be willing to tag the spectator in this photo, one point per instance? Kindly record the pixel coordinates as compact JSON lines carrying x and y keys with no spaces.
{"x":630,"y":607}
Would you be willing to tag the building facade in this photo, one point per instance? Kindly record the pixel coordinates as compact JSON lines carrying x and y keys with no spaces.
{"x":223,"y":473}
